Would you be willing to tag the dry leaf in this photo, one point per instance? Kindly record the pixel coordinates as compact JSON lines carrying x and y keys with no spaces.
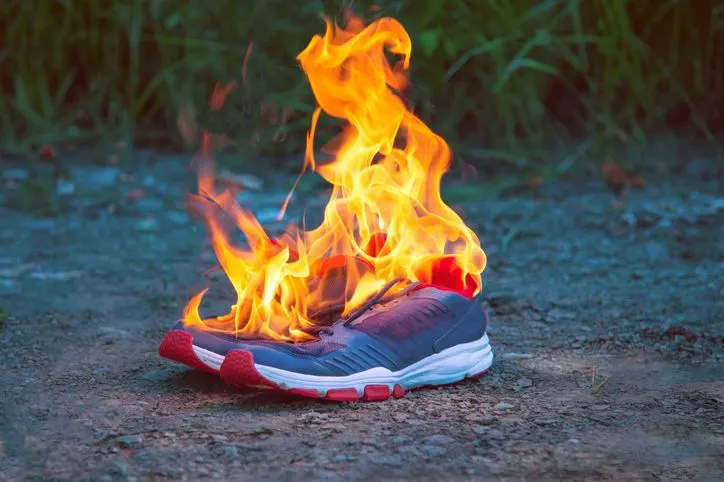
{"x":47,"y":152}
{"x":187,"y":127}
{"x":218,"y":96}
{"x":618,"y":179}
{"x":245,"y":64}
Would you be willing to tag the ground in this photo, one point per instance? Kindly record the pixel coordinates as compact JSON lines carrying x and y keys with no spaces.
{"x":607,"y":324}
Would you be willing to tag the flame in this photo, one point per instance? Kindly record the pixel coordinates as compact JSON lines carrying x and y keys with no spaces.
{"x":384,"y":219}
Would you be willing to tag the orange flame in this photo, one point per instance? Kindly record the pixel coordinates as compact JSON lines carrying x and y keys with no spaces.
{"x":385,"y":217}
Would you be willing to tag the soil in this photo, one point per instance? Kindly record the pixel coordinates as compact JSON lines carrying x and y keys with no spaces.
{"x":607,"y":324}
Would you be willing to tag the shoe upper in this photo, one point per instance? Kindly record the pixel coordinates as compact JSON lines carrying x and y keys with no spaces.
{"x":392,"y":335}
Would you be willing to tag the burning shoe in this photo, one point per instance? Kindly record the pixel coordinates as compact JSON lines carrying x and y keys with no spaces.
{"x":419,"y":336}
{"x":292,"y":326}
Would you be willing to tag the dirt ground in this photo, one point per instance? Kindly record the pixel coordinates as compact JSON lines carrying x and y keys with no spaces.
{"x":607,"y":324}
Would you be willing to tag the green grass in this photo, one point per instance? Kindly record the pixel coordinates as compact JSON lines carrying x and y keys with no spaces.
{"x":500,"y":79}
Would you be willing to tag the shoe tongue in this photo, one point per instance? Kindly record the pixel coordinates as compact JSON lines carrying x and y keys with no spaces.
{"x":334,"y":285}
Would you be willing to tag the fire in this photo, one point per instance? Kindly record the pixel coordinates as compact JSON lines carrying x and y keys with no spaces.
{"x":385,"y":218}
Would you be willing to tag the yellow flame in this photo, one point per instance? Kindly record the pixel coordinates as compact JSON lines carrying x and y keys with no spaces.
{"x":384,"y":219}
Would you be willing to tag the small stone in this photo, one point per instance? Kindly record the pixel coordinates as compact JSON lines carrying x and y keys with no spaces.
{"x":177,"y":217}
{"x":339,"y":458}
{"x":523,"y":383}
{"x":481,"y":429}
{"x":500,"y":299}
{"x":103,"y":177}
{"x":56,"y":276}
{"x":560,"y":314}
{"x":229,"y":452}
{"x":219,"y":438}
{"x":600,"y":407}
{"x":410,"y":451}
{"x":64,"y":187}
{"x":334,"y":427}
{"x":149,"y":180}
{"x":147,"y":225}
{"x":438,"y":439}
{"x":488,"y":421}
{"x":515,"y":356}
{"x":391,"y":460}
{"x":149,"y":204}
{"x":15,"y":174}
{"x":111,"y":335}
{"x":129,"y":441}
{"x":504,"y":406}
{"x":434,"y":451}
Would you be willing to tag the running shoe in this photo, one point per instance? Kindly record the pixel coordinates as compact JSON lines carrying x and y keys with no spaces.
{"x":420,"y":336}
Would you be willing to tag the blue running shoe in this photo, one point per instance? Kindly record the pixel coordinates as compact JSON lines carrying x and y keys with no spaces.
{"x":419,"y":336}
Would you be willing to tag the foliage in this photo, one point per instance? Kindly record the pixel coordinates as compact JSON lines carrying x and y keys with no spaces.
{"x":502,"y":78}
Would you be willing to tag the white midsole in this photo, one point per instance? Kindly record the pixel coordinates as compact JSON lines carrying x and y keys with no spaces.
{"x":450,"y":365}
{"x":209,"y":358}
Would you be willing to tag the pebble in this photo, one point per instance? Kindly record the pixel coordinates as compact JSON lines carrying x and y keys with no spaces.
{"x":64,"y":187}
{"x":99,"y":178}
{"x":504,"y":406}
{"x":149,"y":180}
{"x":560,"y":314}
{"x":500,"y":299}
{"x":229,"y":452}
{"x":15,"y":174}
{"x":219,"y":438}
{"x":334,"y":427}
{"x":515,"y":356}
{"x":523,"y":383}
{"x":149,"y":204}
{"x":178,"y":217}
{"x":391,"y":460}
{"x":56,"y":276}
{"x":434,"y":451}
{"x":111,"y":335}
{"x":488,"y":420}
{"x":130,"y":441}
{"x":147,"y":225}
{"x":437,"y":439}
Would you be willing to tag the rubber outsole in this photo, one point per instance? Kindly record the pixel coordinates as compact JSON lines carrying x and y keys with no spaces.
{"x":238,"y":369}
{"x":178,"y":346}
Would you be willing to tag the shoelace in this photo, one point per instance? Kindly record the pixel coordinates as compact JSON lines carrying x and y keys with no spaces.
{"x":378,"y":298}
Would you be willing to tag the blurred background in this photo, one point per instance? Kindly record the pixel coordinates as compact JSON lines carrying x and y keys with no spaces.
{"x":503,"y":81}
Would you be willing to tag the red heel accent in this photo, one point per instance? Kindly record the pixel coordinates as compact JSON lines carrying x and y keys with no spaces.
{"x":178,"y":346}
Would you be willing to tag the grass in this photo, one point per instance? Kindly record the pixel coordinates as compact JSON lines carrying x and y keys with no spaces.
{"x":501,"y":80}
